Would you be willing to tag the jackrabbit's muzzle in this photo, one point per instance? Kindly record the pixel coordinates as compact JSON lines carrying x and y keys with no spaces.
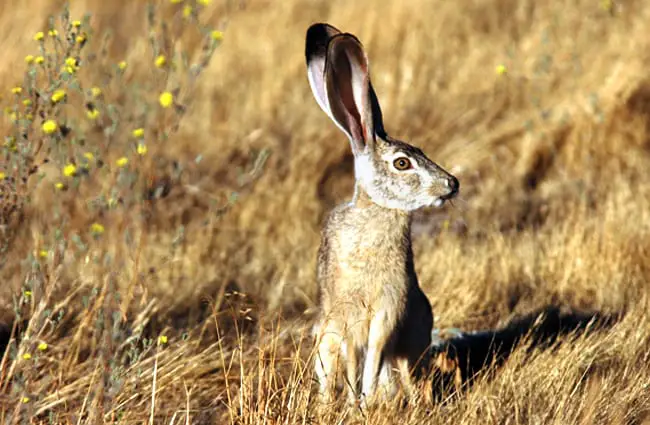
{"x":451,"y":184}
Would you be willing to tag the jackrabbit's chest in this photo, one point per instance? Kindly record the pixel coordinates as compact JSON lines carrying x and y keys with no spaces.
{"x":366,"y":266}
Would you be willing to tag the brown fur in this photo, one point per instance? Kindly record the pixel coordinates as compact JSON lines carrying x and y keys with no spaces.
{"x":366,"y":268}
{"x":372,"y":306}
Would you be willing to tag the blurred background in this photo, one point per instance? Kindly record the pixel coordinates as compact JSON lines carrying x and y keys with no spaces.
{"x":540,"y":108}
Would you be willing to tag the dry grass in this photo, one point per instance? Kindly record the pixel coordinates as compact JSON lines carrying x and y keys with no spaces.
{"x":553,"y":159}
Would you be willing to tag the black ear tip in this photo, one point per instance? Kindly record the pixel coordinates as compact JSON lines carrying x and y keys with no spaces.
{"x":321,"y":30}
{"x":317,"y":37}
{"x":318,"y":29}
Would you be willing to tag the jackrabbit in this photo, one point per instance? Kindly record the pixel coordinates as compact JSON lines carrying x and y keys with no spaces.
{"x":371,"y":303}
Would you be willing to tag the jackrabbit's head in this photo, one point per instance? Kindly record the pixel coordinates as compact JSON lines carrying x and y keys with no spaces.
{"x":393,"y":173}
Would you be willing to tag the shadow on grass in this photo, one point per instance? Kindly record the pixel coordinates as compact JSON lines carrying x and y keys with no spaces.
{"x":460,"y":357}
{"x":5,"y":335}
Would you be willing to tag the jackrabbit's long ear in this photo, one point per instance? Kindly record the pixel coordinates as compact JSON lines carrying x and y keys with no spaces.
{"x":317,"y":49}
{"x":352,"y":100}
{"x":318,"y":37}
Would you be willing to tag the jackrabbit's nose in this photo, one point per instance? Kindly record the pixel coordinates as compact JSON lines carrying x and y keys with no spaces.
{"x":453,"y":185}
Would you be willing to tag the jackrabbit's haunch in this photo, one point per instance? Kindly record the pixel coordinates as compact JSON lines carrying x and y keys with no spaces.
{"x":372,"y":307}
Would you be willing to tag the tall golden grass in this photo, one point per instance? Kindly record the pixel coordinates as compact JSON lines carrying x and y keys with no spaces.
{"x":196,"y":306}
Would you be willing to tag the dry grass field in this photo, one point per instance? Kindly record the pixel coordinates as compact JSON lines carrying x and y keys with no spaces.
{"x":167,"y":275}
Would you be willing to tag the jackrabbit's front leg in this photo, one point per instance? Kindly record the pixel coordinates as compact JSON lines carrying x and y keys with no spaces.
{"x":329,"y":349}
{"x":378,"y":348}
{"x":351,"y":363}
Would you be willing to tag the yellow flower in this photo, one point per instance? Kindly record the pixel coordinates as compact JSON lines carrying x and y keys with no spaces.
{"x":2,"y":175}
{"x":76,"y":24}
{"x":39,"y":36}
{"x":138,"y":133}
{"x":71,"y":65}
{"x":59,"y":186}
{"x":27,"y":356}
{"x":42,"y":253}
{"x":97,"y":228}
{"x":96,"y":91}
{"x":501,"y":69}
{"x":29,"y":59}
{"x":42,"y":346}
{"x":28,"y":293}
{"x":81,"y":39}
{"x":112,"y":202}
{"x":92,"y":113}
{"x":175,"y":1}
{"x":53,"y":33}
{"x":160,"y":61}
{"x":89,"y":156}
{"x":25,"y":400}
{"x":17,"y":90}
{"x":162,"y":339}
{"x":187,"y":11}
{"x":27,"y":102}
{"x":13,"y":116}
{"x":141,"y":149}
{"x":50,"y":126}
{"x":166,"y":99}
{"x":10,"y":143}
{"x":203,"y":2}
{"x":122,"y":161}
{"x":69,"y":170}
{"x":39,"y":59}
{"x":122,"y":65}
{"x":58,"y":95}
{"x":216,"y":35}
{"x":29,"y":117}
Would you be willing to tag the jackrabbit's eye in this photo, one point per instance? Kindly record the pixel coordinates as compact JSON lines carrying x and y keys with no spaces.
{"x":402,"y":163}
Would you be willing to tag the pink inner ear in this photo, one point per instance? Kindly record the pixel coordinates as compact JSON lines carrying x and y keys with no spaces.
{"x":360,"y":85}
{"x":350,"y":76}
{"x":346,"y":91}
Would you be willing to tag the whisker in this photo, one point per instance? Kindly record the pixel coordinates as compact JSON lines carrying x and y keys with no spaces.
{"x":457,"y":200}
{"x":461,"y":209}
{"x":461,"y":199}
